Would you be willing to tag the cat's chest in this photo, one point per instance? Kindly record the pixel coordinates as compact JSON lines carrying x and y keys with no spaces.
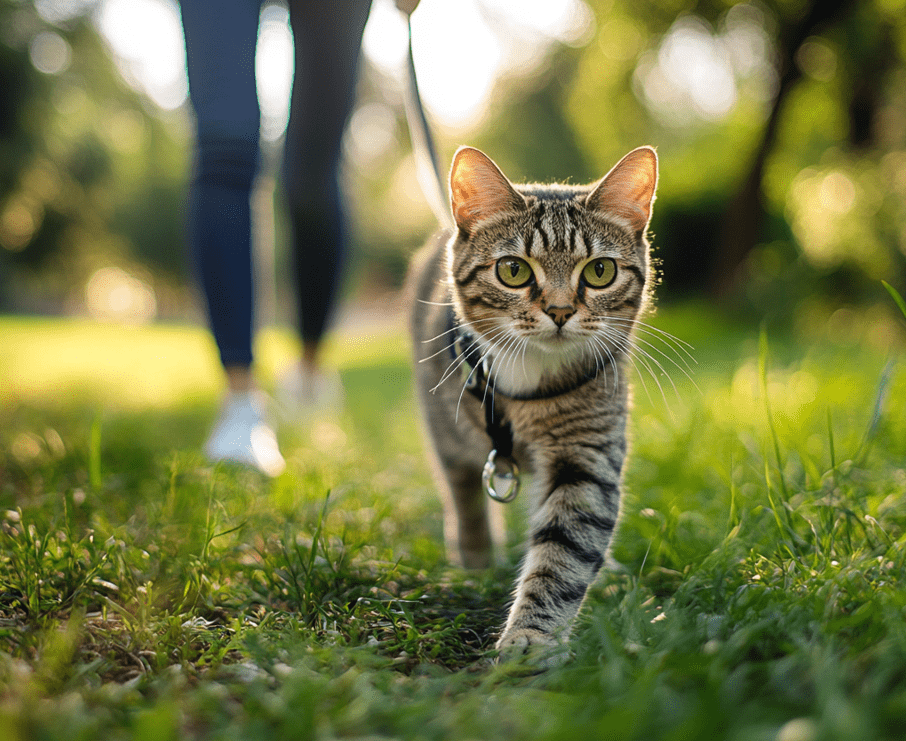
{"x":526,"y":371}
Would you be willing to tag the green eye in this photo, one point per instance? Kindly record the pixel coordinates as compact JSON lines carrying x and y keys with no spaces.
{"x":600,"y":273}
{"x":513,"y":271}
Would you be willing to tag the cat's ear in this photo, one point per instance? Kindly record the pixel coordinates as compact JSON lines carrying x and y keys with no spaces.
{"x":627,"y":191}
{"x":479,"y":190}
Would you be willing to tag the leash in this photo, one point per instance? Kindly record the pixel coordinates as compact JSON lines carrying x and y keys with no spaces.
{"x":433,"y":185}
{"x":427,"y":163}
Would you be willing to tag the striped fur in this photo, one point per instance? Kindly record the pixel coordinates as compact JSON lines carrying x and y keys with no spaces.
{"x":574,"y":444}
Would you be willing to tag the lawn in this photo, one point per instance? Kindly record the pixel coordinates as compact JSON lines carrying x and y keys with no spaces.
{"x":757,"y":590}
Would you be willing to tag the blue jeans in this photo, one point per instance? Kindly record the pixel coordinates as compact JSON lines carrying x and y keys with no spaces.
{"x":220,"y":50}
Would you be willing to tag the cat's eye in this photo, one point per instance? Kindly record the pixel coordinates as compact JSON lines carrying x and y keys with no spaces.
{"x":513,"y":271}
{"x":600,"y":273}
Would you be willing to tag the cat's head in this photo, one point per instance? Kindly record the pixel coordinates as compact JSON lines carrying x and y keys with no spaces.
{"x":550,"y":270}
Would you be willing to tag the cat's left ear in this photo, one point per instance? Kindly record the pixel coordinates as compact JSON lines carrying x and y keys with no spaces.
{"x":627,"y":191}
{"x":479,"y":190}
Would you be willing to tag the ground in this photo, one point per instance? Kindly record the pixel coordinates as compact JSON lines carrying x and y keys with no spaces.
{"x":756,"y":591}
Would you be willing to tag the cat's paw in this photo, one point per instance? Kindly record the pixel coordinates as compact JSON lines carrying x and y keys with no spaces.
{"x":543,"y":650}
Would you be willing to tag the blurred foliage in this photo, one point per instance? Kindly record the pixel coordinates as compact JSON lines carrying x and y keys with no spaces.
{"x":90,"y":174}
{"x":785,"y":195}
{"x":780,"y":125}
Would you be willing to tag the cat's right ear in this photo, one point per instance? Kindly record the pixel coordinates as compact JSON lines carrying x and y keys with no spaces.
{"x":479,"y":190}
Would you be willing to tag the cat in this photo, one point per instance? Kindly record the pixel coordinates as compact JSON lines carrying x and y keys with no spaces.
{"x":522,"y":320}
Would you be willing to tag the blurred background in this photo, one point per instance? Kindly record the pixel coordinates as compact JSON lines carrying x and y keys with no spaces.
{"x":780,"y":126}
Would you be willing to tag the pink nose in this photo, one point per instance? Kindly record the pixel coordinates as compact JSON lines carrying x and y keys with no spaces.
{"x":560,"y":314}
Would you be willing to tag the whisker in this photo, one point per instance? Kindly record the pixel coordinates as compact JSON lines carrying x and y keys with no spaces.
{"x":623,"y":345}
{"x":509,"y":353}
{"x":461,"y":358}
{"x":481,"y":360}
{"x":634,"y":353}
{"x":653,"y":328}
{"x":502,"y":352}
{"x":635,"y":346}
{"x":522,"y":354}
{"x":600,"y":365}
{"x":668,"y":358}
{"x":674,"y":343}
{"x":446,"y":347}
{"x":459,"y":326}
{"x":434,"y":355}
{"x":613,"y":361}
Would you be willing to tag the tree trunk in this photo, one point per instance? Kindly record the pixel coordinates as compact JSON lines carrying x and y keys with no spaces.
{"x":743,"y":220}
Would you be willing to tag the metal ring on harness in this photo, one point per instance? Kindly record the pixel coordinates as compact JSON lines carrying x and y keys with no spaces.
{"x":490,"y":475}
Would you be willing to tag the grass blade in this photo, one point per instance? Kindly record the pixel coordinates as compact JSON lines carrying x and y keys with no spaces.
{"x":894,"y":294}
{"x":94,"y":454}
{"x":877,"y":411}
{"x":763,"y":376}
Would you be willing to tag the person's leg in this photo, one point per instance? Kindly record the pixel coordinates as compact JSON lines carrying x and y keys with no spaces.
{"x":328,"y":37}
{"x":220,"y":50}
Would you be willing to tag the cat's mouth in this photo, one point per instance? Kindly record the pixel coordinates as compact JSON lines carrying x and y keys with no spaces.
{"x":559,"y":341}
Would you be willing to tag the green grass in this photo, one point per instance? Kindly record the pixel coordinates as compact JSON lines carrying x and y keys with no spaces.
{"x":758,"y":591}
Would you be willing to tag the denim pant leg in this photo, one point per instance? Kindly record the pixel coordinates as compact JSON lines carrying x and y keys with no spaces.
{"x":328,"y":38}
{"x":220,"y":52}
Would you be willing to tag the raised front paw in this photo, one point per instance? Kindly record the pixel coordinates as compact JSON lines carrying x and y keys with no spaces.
{"x":542,"y":649}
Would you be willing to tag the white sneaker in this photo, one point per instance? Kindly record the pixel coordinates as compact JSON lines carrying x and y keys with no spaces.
{"x":242,"y":435}
{"x":300,"y":393}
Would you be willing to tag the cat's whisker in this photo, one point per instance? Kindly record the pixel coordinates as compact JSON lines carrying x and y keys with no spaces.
{"x":622,"y":343}
{"x":434,"y":355}
{"x":638,"y":356}
{"x":666,"y":357}
{"x":641,"y":377}
{"x":435,"y":303}
{"x":460,"y":326}
{"x":512,"y":352}
{"x":675,"y":355}
{"x":636,"y":347}
{"x":465,"y":385}
{"x":492,"y":384}
{"x":600,"y":365}
{"x":525,"y":341}
{"x":514,"y":355}
{"x":524,"y":349}
{"x":680,"y":347}
{"x":658,"y":330}
{"x":484,"y":356}
{"x":448,"y":346}
{"x":461,"y":358}
{"x":508,"y":343}
{"x":613,"y":361}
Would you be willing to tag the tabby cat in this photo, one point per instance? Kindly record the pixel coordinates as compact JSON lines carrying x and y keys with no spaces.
{"x":523,"y":320}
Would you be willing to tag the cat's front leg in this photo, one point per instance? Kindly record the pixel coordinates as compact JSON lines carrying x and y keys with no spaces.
{"x":570,"y":534}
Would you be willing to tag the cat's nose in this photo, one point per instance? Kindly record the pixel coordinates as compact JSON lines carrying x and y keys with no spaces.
{"x":560,"y":314}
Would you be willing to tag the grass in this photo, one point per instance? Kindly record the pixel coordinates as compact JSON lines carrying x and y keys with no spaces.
{"x":758,"y":591}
